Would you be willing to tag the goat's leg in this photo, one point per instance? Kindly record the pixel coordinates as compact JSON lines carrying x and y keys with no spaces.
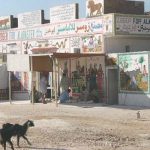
{"x":26,"y":140}
{"x":18,"y":137}
{"x":4,"y":145}
{"x":11,"y":144}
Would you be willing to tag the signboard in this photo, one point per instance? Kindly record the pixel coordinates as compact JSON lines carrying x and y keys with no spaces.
{"x":63,"y":13}
{"x":132,"y":25}
{"x":18,"y":62}
{"x":134,"y":72}
{"x":69,"y":28}
{"x":5,"y":22}
{"x":94,"y":8}
{"x":11,"y":47}
{"x":30,"y":19}
{"x":3,"y":36}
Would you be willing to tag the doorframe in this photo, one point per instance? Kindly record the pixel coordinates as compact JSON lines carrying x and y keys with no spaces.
{"x":107,"y":84}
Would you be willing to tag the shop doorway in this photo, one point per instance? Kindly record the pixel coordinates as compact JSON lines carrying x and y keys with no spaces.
{"x":112,"y":86}
{"x":49,"y":86}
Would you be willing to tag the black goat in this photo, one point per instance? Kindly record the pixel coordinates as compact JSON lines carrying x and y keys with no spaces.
{"x":19,"y":130}
{"x":5,"y":136}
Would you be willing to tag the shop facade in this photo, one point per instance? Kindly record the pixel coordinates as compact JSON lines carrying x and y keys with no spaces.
{"x":133,"y":77}
{"x":80,"y":48}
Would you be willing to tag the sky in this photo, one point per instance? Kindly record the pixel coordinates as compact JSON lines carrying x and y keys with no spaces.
{"x":14,"y":7}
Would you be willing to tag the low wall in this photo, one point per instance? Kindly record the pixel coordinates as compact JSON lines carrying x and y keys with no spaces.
{"x":134,"y":99}
{"x":20,"y":96}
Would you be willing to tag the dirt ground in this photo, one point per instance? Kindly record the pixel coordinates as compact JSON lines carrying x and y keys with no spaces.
{"x":80,"y":126}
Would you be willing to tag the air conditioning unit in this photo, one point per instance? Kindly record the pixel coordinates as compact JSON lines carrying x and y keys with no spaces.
{"x":127,"y":48}
{"x":76,"y":50}
{"x":13,"y":52}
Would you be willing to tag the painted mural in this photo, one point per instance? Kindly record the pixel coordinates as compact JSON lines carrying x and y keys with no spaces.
{"x":20,"y":81}
{"x":59,"y":45}
{"x":62,"y":44}
{"x":10,"y":47}
{"x":94,"y":8}
{"x":65,"y":79}
{"x":78,"y":74}
{"x":25,"y":81}
{"x":5,"y":22}
{"x":95,"y":75}
{"x":16,"y":83}
{"x":134,"y":72}
{"x":111,"y":59}
{"x":3,"y":36}
{"x":92,"y":44}
{"x":107,"y":24}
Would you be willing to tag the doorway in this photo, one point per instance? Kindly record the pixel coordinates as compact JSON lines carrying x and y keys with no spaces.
{"x":112,"y":86}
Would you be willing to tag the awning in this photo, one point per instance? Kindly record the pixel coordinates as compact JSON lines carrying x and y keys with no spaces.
{"x":16,"y":62}
{"x":75,"y":55}
{"x":44,"y":50}
{"x":39,"y":62}
{"x":25,"y":62}
{"x":42,"y":63}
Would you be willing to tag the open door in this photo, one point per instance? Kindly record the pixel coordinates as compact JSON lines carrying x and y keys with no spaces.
{"x":112,"y":86}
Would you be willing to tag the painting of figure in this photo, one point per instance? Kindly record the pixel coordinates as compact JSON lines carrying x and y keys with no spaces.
{"x":134,"y":74}
{"x":94,"y":8}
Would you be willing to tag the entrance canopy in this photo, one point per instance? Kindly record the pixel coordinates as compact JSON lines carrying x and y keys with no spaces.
{"x":39,"y":62}
{"x":25,"y":63}
{"x":18,"y":63}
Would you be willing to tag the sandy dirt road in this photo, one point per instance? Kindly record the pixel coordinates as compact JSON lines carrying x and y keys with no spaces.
{"x":80,"y":126}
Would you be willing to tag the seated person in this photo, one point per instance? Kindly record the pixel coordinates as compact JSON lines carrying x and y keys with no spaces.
{"x":64,"y":96}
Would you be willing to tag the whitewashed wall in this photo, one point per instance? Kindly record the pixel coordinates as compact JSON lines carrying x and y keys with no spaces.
{"x":118,"y":45}
{"x":3,"y":77}
{"x":134,"y":99}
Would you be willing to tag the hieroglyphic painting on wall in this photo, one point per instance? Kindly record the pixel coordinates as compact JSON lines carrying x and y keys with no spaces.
{"x":134,"y":72}
{"x":94,"y":8}
{"x":92,"y":44}
{"x":78,"y":74}
{"x":95,"y":73}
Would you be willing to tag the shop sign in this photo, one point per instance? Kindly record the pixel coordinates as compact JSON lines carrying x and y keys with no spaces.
{"x":63,"y":13}
{"x":5,"y":22}
{"x":30,"y":19}
{"x":132,"y":25}
{"x":3,"y":36}
{"x":78,"y":27}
